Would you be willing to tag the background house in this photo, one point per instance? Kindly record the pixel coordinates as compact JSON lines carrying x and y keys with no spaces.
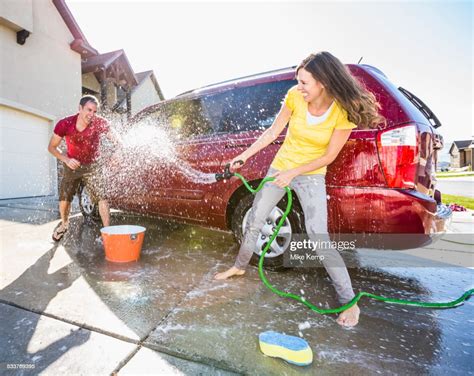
{"x":41,"y":80}
{"x":105,"y":74}
{"x":110,"y":77}
{"x":46,"y":65}
{"x":145,"y":93}
{"x":461,"y":154}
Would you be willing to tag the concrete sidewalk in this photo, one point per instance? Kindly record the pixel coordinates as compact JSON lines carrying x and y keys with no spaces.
{"x":65,"y":310}
{"x":45,"y":203}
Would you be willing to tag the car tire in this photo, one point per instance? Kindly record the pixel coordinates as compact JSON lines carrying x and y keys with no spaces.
{"x":294,"y":224}
{"x":89,"y":209}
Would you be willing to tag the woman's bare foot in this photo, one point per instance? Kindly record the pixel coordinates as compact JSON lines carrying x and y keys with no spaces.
{"x":349,"y":317}
{"x":229,"y":273}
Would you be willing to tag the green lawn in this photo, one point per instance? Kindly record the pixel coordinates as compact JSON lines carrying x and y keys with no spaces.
{"x":442,"y":175}
{"x":467,"y":202}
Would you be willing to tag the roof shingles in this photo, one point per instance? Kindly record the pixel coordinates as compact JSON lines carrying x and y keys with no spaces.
{"x":463,"y":144}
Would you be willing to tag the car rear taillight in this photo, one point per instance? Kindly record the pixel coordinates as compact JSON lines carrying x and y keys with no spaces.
{"x":398,"y":153}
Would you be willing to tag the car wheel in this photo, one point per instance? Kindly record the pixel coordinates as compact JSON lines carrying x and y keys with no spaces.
{"x":293,"y":225}
{"x":88,"y":208}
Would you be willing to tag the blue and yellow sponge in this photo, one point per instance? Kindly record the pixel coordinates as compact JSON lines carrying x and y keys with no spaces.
{"x":292,"y":349}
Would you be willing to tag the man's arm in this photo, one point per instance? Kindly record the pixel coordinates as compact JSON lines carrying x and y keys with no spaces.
{"x":53,"y":149}
{"x":113,"y":137}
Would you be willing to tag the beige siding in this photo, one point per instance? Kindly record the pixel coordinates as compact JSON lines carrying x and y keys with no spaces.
{"x":90,"y":82}
{"x":17,"y":14}
{"x":144,"y":96}
{"x":111,"y":94}
{"x":455,"y":163}
{"x":44,"y":73}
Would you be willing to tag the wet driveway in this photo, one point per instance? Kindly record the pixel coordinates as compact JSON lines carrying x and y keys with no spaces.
{"x":66,"y":309}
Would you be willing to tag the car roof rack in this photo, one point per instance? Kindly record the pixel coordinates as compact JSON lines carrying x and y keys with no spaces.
{"x":238,"y":79}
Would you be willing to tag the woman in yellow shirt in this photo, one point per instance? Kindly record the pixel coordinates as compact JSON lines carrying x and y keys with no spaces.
{"x":321,"y":111}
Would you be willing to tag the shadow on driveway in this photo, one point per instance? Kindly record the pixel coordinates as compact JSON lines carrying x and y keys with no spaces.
{"x":31,"y":284}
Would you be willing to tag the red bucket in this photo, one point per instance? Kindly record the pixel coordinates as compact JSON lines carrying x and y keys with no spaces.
{"x":123,"y":243}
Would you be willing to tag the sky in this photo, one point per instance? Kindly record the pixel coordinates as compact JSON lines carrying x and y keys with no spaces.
{"x":426,"y":47}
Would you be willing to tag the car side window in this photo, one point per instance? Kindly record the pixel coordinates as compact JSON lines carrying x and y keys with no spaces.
{"x":214,"y":105}
{"x":181,"y":119}
{"x":186,"y":119}
{"x":232,"y":111}
{"x":248,"y":108}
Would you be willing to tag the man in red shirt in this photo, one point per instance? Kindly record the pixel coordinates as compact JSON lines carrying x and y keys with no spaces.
{"x":82,"y":133}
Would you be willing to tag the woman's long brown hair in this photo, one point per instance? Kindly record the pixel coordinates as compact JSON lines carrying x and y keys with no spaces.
{"x":360,"y":104}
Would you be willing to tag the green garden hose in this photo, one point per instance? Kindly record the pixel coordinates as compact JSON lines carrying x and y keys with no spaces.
{"x":451,"y":304}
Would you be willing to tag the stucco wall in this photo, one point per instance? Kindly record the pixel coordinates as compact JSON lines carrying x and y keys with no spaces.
{"x":17,"y":14}
{"x":144,"y":96}
{"x":90,"y":82}
{"x":43,"y":74}
{"x":111,"y":94}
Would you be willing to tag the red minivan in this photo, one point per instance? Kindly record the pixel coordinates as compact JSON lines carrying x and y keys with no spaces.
{"x":382,"y":182}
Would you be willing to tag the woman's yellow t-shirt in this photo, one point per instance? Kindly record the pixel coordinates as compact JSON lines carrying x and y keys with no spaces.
{"x":304,"y":142}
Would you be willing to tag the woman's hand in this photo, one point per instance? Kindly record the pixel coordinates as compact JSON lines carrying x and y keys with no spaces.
{"x":237,"y":162}
{"x":284,"y":178}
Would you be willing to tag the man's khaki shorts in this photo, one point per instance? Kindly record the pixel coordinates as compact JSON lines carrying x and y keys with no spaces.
{"x":87,"y":174}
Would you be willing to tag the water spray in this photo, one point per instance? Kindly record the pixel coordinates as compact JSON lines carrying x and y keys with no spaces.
{"x":227,"y":174}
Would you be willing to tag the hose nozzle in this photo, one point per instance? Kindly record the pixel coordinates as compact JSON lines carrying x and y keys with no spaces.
{"x":227,"y":174}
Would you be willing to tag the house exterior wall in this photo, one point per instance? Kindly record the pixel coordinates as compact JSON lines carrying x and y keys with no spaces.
{"x":462,"y":158}
{"x":40,"y":79}
{"x":90,"y":82}
{"x":145,"y":95}
{"x":44,"y":73}
{"x":111,"y":94}
{"x":455,"y":158}
{"x":468,"y":157}
{"x":17,"y":14}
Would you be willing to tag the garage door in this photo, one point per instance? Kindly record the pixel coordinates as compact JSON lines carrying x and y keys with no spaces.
{"x":26,"y":167}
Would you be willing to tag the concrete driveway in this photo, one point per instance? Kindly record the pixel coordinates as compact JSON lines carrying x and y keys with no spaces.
{"x":65,"y":310}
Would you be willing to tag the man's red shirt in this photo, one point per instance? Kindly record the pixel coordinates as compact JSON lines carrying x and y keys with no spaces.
{"x":83,"y":146}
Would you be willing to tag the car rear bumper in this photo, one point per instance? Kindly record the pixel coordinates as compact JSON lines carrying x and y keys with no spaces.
{"x":441,"y":217}
{"x":386,"y":218}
